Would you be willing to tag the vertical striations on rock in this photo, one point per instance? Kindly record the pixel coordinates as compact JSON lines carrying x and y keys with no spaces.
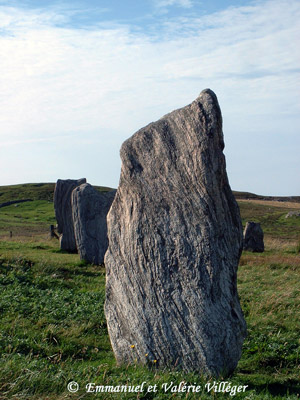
{"x":63,"y":212}
{"x":89,"y":209}
{"x":253,"y":237}
{"x":175,"y":239}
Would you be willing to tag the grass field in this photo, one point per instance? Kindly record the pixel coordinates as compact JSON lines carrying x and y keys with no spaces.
{"x":53,"y":328}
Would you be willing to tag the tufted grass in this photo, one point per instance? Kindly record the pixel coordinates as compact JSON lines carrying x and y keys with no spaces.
{"x":53,"y":329}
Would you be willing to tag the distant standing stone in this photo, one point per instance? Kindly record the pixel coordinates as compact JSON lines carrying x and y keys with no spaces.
{"x":63,"y":212}
{"x":292,"y":214}
{"x":90,"y":208}
{"x":175,"y":239}
{"x":253,"y":237}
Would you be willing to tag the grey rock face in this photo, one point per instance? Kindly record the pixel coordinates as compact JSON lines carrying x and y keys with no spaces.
{"x":89,"y":209}
{"x":175,"y":239}
{"x":253,"y":237}
{"x":63,"y":212}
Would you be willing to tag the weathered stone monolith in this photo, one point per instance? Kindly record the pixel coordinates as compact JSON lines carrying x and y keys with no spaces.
{"x":175,"y":239}
{"x":253,"y":237}
{"x":89,"y":209}
{"x":63,"y":212}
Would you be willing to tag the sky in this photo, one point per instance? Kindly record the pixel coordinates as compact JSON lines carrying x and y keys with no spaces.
{"x":80,"y":77}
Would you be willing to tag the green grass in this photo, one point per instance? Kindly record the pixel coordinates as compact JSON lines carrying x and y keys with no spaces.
{"x":272,"y":219}
{"x":33,"y":191}
{"x":31,"y":218}
{"x":53,"y":328}
{"x":27,"y":219}
{"x":270,"y":298}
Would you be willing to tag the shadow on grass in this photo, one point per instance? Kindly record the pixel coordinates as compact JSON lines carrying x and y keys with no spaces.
{"x":60,"y":251}
{"x":74,"y":270}
{"x":277,"y":389}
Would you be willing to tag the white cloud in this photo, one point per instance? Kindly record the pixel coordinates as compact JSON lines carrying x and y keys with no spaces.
{"x":99,"y":85}
{"x":168,"y":3}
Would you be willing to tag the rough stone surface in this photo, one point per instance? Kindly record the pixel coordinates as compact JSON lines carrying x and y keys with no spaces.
{"x":253,"y":237}
{"x":175,"y":239}
{"x":63,"y":212}
{"x":90,"y":208}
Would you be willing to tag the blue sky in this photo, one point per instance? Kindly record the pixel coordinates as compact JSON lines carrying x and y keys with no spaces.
{"x":79,"y":77}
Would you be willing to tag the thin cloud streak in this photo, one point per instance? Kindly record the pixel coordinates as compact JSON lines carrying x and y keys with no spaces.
{"x":35,"y":140}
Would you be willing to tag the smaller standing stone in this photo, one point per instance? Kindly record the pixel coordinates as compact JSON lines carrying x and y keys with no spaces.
{"x":89,"y":209}
{"x":292,"y":214}
{"x":253,"y":237}
{"x":63,"y":212}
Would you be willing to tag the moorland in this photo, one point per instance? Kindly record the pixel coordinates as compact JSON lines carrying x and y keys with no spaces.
{"x":52,"y":324}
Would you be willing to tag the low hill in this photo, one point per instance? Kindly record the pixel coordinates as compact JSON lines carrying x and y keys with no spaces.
{"x":252,"y":196}
{"x":45,"y":191}
{"x":33,"y":191}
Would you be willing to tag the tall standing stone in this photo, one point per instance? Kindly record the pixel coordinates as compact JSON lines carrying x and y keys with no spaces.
{"x":89,"y":209}
{"x":63,"y":212}
{"x":253,"y":237}
{"x":175,"y":239}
